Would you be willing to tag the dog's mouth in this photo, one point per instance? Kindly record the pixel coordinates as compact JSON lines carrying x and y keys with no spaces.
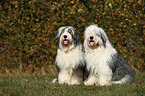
{"x":65,"y":42}
{"x":92,"y":43}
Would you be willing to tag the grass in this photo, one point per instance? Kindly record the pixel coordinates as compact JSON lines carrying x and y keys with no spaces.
{"x":41,"y":86}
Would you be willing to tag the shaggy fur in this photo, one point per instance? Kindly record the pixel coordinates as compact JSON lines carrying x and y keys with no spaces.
{"x":69,"y":59}
{"x":103,"y":62}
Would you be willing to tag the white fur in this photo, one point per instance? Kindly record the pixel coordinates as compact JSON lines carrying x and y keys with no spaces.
{"x":68,"y":57}
{"x":97,"y":62}
{"x":97,"y":59}
{"x":54,"y":80}
{"x":66,"y":61}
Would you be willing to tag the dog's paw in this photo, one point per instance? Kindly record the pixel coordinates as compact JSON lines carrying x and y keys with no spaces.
{"x":103,"y":84}
{"x":75,"y":83}
{"x":89,"y":83}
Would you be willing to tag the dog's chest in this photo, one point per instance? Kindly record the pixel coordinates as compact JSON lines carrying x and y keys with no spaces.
{"x":94,"y":59}
{"x":97,"y":61}
{"x":69,"y":59}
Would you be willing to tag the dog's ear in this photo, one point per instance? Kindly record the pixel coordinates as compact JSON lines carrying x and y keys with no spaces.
{"x":74,"y":34}
{"x":104,"y":39}
{"x":76,"y":37}
{"x":56,"y":39}
{"x":103,"y":36}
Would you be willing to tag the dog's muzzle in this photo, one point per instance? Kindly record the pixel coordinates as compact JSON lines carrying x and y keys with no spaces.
{"x":91,"y":41}
{"x":65,"y":40}
{"x":92,"y":44}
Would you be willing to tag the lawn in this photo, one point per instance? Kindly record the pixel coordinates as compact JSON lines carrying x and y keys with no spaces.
{"x":27,"y":35}
{"x":40,"y":85}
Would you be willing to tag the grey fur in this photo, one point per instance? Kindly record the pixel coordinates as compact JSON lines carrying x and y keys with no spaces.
{"x":120,"y":68}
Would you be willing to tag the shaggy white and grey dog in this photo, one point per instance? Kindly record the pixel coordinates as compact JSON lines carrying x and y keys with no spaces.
{"x":103,"y":62}
{"x":69,"y":59}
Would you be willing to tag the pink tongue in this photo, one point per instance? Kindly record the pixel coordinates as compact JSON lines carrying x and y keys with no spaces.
{"x":91,"y":43}
{"x":65,"y":42}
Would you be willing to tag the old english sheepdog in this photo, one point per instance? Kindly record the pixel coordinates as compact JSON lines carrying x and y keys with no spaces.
{"x":104,"y":64}
{"x":69,"y":59}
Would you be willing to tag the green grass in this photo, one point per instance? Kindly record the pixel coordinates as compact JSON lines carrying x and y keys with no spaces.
{"x":41,"y":86}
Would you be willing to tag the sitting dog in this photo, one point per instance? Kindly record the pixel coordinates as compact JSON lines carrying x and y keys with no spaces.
{"x":69,"y":59}
{"x":102,"y":61}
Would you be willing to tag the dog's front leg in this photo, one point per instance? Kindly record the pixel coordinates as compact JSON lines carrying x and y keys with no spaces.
{"x":77,"y":77}
{"x":64,"y":77}
{"x":92,"y":79}
{"x":104,"y":79}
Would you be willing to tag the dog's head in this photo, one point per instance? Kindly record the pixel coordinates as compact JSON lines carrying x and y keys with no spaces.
{"x":95,"y":37}
{"x":66,"y":38}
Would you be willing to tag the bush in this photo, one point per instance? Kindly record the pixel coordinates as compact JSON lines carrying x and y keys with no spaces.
{"x":28,"y":29}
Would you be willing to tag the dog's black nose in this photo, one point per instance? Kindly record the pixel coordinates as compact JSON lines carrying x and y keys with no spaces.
{"x":91,"y":37}
{"x":65,"y":36}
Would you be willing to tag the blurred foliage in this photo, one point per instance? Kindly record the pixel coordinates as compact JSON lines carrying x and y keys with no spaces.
{"x":27,"y":29}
